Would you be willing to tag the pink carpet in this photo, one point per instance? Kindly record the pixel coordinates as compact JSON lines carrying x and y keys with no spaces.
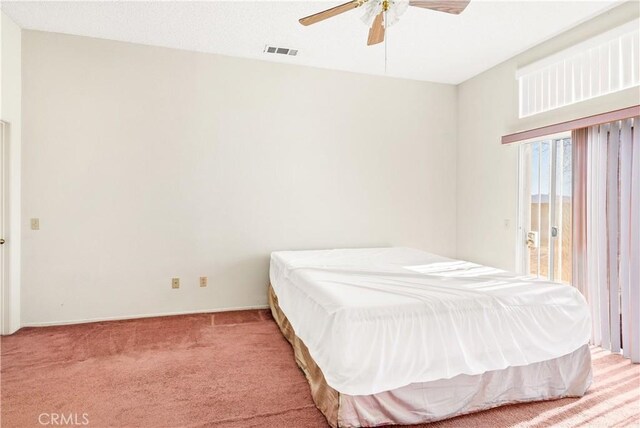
{"x":226,"y":370}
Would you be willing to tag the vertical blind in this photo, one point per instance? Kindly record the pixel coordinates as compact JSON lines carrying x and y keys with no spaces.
{"x":606,"y":230}
{"x":598,"y":66}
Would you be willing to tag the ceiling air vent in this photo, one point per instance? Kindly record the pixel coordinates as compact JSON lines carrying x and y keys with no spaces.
{"x":280,"y":51}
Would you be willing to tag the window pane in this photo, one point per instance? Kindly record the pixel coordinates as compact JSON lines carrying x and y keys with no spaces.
{"x":539,"y":225}
{"x":562,"y":221}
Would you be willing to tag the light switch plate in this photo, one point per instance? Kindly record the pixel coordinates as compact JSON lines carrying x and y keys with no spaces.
{"x":175,"y":282}
{"x":35,"y":224}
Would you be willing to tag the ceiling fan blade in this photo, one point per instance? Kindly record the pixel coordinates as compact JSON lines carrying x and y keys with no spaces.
{"x":448,"y":6}
{"x":376,"y":32}
{"x":325,"y":14}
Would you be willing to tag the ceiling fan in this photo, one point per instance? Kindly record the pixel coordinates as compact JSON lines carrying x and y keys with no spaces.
{"x":379,"y":11}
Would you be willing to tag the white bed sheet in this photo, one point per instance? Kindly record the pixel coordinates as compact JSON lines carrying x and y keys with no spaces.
{"x":382,"y":318}
{"x":418,"y":403}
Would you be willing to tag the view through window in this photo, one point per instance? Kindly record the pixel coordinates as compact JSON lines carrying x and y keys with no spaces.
{"x":545,"y":208}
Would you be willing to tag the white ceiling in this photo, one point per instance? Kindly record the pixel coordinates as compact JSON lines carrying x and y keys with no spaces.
{"x":424,"y":45}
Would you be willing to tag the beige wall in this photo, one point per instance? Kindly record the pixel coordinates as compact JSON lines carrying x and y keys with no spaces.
{"x":146,"y":163}
{"x":487,"y":171}
{"x":11,"y":113}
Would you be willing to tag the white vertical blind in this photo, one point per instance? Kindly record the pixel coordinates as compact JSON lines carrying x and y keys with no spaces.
{"x":625,"y":229}
{"x":611,"y":280}
{"x":634,"y":251}
{"x":598,"y":66}
{"x":612,"y":185}
{"x":592,"y":255}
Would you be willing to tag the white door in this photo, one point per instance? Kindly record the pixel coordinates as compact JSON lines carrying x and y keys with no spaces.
{"x":545,"y":209}
{"x":3,"y":227}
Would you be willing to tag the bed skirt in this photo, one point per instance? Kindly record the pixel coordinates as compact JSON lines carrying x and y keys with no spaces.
{"x":567,"y":376}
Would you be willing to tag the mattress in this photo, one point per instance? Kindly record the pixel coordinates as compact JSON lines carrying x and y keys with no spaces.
{"x":375,"y":320}
{"x":567,"y":376}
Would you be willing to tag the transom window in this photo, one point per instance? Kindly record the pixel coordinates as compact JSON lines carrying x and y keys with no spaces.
{"x":601,"y":65}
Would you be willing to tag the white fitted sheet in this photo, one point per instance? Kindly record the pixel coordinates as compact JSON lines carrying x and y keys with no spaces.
{"x":379,"y":319}
{"x":567,"y":376}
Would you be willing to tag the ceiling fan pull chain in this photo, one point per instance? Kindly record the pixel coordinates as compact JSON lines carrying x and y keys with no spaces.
{"x":386,"y":39}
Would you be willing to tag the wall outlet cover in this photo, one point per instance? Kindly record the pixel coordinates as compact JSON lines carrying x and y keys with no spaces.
{"x":175,"y":282}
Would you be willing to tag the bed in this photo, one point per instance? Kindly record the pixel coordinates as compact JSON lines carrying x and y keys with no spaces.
{"x":401,"y":336}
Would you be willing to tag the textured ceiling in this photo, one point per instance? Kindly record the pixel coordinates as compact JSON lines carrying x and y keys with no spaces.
{"x":424,"y":45}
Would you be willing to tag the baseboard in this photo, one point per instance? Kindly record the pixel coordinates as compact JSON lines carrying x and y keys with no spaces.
{"x":132,"y":317}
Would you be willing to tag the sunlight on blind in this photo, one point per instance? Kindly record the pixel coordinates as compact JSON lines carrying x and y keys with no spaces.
{"x":601,"y":65}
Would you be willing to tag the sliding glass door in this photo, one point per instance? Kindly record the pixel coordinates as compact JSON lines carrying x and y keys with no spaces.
{"x":545,"y":209}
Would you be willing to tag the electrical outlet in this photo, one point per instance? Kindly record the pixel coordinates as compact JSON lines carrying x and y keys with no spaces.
{"x":35,"y":224}
{"x":203,"y":281}
{"x":175,"y":282}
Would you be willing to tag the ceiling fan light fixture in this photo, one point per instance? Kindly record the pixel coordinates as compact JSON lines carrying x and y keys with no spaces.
{"x":395,"y":9}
